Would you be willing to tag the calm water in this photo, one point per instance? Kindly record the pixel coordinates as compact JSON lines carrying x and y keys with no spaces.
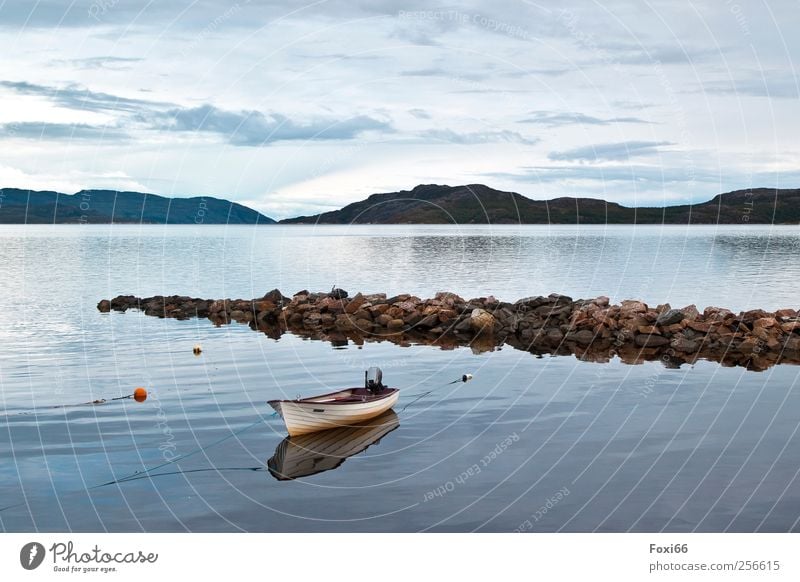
{"x":539,"y":444}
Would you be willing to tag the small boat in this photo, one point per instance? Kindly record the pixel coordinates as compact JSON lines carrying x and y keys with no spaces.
{"x":309,"y":454}
{"x":337,"y":409}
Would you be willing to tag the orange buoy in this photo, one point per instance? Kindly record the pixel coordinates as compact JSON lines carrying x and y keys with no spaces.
{"x":140,"y":394}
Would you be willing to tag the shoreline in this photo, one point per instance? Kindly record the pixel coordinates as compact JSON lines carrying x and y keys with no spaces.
{"x":590,"y":329}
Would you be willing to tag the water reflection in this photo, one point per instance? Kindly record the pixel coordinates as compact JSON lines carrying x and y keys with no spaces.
{"x":309,"y":454}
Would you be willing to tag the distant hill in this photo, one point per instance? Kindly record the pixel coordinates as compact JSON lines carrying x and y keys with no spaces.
{"x":479,"y":204}
{"x":109,"y":206}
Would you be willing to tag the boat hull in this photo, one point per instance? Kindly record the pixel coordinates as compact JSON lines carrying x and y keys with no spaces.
{"x":309,"y":454}
{"x":334,"y":410}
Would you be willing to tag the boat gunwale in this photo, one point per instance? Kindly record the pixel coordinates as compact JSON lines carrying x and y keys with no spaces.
{"x":385,"y":393}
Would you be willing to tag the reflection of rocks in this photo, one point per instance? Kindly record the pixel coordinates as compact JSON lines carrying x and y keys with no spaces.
{"x":592,"y":329}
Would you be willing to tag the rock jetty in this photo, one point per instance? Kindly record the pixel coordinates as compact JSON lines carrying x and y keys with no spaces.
{"x":591,"y":329}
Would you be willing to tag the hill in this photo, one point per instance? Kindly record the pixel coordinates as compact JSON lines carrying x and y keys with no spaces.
{"x":110,"y":206}
{"x":479,"y":204}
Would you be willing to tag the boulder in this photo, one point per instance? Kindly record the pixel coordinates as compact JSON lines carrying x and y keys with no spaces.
{"x":682,"y":344}
{"x":584,"y":337}
{"x":481,"y":320}
{"x":337,"y":293}
{"x":650,"y":341}
{"x":431,"y":320}
{"x":104,"y":306}
{"x":670,"y":317}
{"x":355,"y":303}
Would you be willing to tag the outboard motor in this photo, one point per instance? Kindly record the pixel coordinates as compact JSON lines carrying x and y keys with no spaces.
{"x":373,"y":380}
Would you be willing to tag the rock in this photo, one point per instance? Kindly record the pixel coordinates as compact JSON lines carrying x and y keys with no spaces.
{"x":669,"y":317}
{"x":337,"y":293}
{"x":786,"y":313}
{"x":481,"y":320}
{"x":700,"y":326}
{"x":395,"y":324}
{"x":790,"y":326}
{"x":237,"y":315}
{"x":464,"y":325}
{"x":765,"y":322}
{"x":584,"y":337}
{"x":412,"y":318}
{"x":684,"y":345}
{"x":431,"y":320}
{"x":560,"y":299}
{"x":275,"y":296}
{"x":447,"y":315}
{"x":383,"y":319}
{"x":531,"y":302}
{"x":690,"y":312}
{"x":355,"y":303}
{"x":104,"y":306}
{"x":363,"y":314}
{"x":649,"y":330}
{"x":650,"y":341}
{"x":629,"y":307}
{"x":408,"y":305}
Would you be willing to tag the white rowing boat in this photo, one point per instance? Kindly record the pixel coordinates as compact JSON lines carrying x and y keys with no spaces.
{"x":337,"y":409}
{"x":309,"y":454}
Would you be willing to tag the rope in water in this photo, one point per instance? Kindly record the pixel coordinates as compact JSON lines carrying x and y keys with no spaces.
{"x":465,"y":378}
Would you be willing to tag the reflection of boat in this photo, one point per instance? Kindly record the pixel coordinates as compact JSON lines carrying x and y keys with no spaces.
{"x":309,"y":454}
{"x":337,"y":409}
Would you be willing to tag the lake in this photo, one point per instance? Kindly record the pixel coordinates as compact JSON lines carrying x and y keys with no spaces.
{"x":530,"y":444}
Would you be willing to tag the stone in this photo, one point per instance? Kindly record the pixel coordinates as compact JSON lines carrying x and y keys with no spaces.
{"x":275,"y":296}
{"x":355,"y":304}
{"x":104,"y":306}
{"x":395,"y":324}
{"x":447,"y":315}
{"x":701,"y":326}
{"x":431,"y":320}
{"x":790,"y":326}
{"x":650,"y":341}
{"x":337,"y":293}
{"x":629,"y":307}
{"x":765,"y":322}
{"x":363,"y":314}
{"x":684,"y":345}
{"x":584,"y":337}
{"x":648,"y":329}
{"x":670,"y":317}
{"x":481,"y":320}
{"x":383,"y":319}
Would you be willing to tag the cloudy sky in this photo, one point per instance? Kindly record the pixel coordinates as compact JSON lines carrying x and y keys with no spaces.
{"x":297,"y":108}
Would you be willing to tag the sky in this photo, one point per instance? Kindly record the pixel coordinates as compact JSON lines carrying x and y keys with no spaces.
{"x":297,"y":108}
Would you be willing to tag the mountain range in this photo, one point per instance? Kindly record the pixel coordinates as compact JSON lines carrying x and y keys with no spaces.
{"x":109,"y":206}
{"x":479,"y":204}
{"x":425,"y":204}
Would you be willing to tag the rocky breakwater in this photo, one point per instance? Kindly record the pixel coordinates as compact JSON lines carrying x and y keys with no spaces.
{"x":592,"y":329}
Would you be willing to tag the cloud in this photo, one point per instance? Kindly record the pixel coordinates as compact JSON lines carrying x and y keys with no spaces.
{"x":106,"y":62}
{"x":420,"y":113}
{"x":254,"y":128}
{"x":477,"y":136}
{"x":75,"y":96}
{"x":558,"y":119}
{"x":616,"y":173}
{"x":667,"y":54}
{"x":610,"y":151}
{"x":44,"y":130}
{"x":773,"y":85}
